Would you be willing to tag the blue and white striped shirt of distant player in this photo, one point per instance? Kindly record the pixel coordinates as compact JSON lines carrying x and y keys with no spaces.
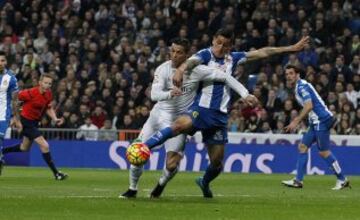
{"x":8,"y":85}
{"x":216,"y":95}
{"x":304,"y":92}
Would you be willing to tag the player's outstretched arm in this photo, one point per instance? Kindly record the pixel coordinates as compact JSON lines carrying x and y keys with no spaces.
{"x":308,"y":106}
{"x":270,"y":51}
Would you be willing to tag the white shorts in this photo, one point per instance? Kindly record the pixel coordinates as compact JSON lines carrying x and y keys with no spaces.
{"x":158,"y":120}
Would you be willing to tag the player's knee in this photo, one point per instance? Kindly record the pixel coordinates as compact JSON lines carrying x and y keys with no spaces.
{"x":217,"y":163}
{"x":44,"y":147}
{"x":24,"y":149}
{"x":302,"y":148}
{"x":182,"y":124}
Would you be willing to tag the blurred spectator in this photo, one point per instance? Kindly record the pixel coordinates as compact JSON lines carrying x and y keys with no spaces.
{"x":87,"y":131}
{"x":107,"y":132}
{"x":98,"y":117}
{"x":104,"y":53}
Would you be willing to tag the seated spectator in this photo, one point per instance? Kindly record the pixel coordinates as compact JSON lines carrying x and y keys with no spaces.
{"x":108,"y":132}
{"x":87,"y":131}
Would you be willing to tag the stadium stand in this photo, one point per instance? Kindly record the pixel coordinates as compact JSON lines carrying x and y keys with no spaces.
{"x":104,"y":53}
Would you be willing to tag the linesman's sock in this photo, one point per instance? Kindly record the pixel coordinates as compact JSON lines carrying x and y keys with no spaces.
{"x":12,"y":149}
{"x":50,"y":163}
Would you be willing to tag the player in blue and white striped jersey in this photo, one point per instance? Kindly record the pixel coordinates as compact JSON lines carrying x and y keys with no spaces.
{"x":209,"y":111}
{"x":8,"y":102}
{"x":321,"y":121}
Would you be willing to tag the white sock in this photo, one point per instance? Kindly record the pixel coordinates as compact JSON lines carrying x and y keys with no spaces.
{"x":134,"y":176}
{"x":167,"y":176}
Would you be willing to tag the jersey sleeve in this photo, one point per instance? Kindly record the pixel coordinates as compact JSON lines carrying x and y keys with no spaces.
{"x":13,"y":86}
{"x":24,"y":95}
{"x":158,"y":92}
{"x":206,"y":73}
{"x":239,"y":57}
{"x":304,"y":93}
{"x":203,"y":55}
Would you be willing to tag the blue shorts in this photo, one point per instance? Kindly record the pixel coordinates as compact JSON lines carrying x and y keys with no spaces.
{"x":3,"y":127}
{"x":30,"y":128}
{"x":211,"y":123}
{"x":319,"y":133}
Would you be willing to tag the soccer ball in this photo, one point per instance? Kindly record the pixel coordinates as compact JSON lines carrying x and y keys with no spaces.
{"x":137,"y":154}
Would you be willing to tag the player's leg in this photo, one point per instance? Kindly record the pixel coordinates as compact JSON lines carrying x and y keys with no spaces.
{"x":172,"y":163}
{"x":2,"y":162}
{"x":216,"y":155}
{"x":135,"y":172}
{"x":3,"y":126}
{"x":303,"y":157}
{"x":44,"y":148}
{"x":175,"y":148}
{"x":215,"y":140}
{"x":20,"y":147}
{"x":182,"y":125}
{"x":323,"y":142}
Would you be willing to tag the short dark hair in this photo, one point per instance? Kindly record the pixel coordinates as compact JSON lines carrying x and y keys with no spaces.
{"x":225,"y":32}
{"x":291,"y":66}
{"x":185,"y":43}
{"x":2,"y":53}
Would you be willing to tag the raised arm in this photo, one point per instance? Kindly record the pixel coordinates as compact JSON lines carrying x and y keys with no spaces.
{"x":270,"y":51}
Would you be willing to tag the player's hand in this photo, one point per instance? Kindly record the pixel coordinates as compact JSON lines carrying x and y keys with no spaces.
{"x":59,"y":121}
{"x":300,"y":44}
{"x":292,"y":126}
{"x":175,"y":92}
{"x":178,"y":77}
{"x":251,"y":100}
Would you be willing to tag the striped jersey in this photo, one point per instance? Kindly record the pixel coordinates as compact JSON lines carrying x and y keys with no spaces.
{"x":216,"y":95}
{"x":305,"y":92}
{"x":8,"y":85}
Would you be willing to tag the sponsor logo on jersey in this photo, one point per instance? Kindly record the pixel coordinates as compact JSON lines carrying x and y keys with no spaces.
{"x":195,"y":114}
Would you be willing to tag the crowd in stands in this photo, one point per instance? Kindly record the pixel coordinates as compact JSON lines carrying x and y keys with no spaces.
{"x":104,"y":53}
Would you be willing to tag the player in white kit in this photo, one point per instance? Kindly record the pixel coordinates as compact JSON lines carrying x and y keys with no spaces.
{"x":171,"y":103}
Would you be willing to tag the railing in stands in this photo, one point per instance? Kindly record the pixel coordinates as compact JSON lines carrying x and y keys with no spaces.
{"x":77,"y":134}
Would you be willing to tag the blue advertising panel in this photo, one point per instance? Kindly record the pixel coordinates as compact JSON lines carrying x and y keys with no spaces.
{"x":246,"y":158}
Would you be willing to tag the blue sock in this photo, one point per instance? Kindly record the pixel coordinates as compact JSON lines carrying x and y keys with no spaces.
{"x":301,"y":166}
{"x":159,"y":137}
{"x":210,"y":174}
{"x":334,"y":166}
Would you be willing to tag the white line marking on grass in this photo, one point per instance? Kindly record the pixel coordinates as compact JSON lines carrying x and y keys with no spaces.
{"x":82,"y":197}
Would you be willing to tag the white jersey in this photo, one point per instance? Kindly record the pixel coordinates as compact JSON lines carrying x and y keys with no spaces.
{"x":162,"y":86}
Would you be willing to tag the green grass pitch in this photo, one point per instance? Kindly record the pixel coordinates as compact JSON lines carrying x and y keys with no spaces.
{"x":32,"y":193}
